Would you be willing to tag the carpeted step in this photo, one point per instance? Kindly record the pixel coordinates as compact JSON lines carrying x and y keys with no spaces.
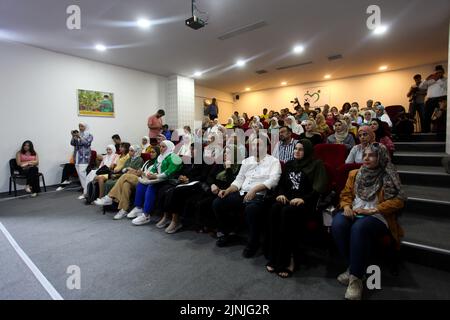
{"x":420,"y":146}
{"x":418,"y":158}
{"x":424,"y":176}
{"x":428,"y":201}
{"x":419,"y":137}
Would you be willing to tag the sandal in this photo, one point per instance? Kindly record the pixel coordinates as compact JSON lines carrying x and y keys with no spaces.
{"x":285,"y":273}
{"x":270,"y":268}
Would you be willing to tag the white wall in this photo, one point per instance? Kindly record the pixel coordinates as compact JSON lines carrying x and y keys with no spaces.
{"x":224,"y":99}
{"x":388,"y":87}
{"x":38,"y":102}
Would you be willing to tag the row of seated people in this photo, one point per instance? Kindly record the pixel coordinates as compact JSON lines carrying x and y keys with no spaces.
{"x":217,"y":195}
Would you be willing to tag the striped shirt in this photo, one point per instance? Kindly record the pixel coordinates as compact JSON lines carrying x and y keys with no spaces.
{"x":285,"y":151}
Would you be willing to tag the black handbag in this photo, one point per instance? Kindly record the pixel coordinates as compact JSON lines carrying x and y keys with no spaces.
{"x":103,"y":170}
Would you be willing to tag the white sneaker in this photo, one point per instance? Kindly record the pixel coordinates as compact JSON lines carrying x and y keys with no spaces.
{"x":59,"y":188}
{"x":82,"y":197}
{"x":354,"y":289}
{"x":163,"y":223}
{"x":173,"y":227}
{"x":34,"y":195}
{"x":65,"y":182}
{"x":120,"y":215}
{"x":344,"y":277}
{"x":27,"y":189}
{"x":105,"y":201}
{"x":141,"y":220}
{"x":134,"y":213}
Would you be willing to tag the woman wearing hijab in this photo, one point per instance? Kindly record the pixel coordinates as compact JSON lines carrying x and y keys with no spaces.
{"x":369,"y":204}
{"x":368,"y":116}
{"x":109,"y":160}
{"x":230,"y":124}
{"x":366,"y":137}
{"x":81,"y":142}
{"x":322,"y":127}
{"x":134,"y":162}
{"x":155,"y":183}
{"x":341,"y":135}
{"x":121,"y":192}
{"x":355,"y":117}
{"x":274,"y":125}
{"x":303,"y":179}
{"x":351,"y":128}
{"x":311,"y":133}
{"x":381,"y":135}
{"x":145,"y":145}
{"x":292,"y":123}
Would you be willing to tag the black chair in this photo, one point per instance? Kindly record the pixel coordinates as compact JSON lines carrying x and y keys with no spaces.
{"x":14,"y":171}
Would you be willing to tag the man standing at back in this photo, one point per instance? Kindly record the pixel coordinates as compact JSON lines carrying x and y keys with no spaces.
{"x":213,"y":109}
{"x":436,"y":86}
{"x":155,"y":124}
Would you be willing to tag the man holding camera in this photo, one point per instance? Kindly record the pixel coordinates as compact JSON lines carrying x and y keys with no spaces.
{"x":417,"y":99}
{"x":436,"y":86}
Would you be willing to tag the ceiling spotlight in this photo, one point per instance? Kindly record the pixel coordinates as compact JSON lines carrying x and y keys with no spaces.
{"x":382,"y":68}
{"x":380,"y":30}
{"x":247,"y":89}
{"x":328,"y":76}
{"x":144,"y":23}
{"x":100,"y":47}
{"x":298,"y":49}
{"x":240,"y":63}
{"x":284,"y":83}
{"x":198,"y":74}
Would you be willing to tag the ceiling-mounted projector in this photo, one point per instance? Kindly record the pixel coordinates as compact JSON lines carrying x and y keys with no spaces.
{"x":195,"y":22}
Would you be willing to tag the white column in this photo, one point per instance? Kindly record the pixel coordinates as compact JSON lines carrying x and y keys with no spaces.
{"x":180,"y":109}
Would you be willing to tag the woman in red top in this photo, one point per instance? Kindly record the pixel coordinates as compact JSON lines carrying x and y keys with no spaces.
{"x":27,"y":164}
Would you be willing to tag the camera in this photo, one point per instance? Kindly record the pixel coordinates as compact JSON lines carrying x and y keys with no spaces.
{"x":74,"y":132}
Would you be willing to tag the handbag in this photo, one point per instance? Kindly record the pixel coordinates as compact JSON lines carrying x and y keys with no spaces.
{"x":103,"y":170}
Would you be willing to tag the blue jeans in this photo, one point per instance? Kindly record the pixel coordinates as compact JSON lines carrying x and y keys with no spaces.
{"x":355,"y":239}
{"x":145,"y":197}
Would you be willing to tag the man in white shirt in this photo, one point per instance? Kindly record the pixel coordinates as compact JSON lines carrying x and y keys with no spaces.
{"x":382,"y":115}
{"x":259,"y":173}
{"x":436,"y":86}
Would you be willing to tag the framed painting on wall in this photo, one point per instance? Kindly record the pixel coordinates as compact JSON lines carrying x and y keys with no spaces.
{"x":95,"y":103}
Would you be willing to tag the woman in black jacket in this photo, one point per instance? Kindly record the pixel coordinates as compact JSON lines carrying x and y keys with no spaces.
{"x":302,"y":180}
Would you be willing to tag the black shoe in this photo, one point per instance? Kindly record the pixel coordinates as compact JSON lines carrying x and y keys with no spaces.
{"x":249,"y":252}
{"x":222,"y":241}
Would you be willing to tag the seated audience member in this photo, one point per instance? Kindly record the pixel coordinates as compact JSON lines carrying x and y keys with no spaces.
{"x":274,"y":125}
{"x":27,"y":161}
{"x":117,"y":141}
{"x":68,"y":171}
{"x":382,"y":115}
{"x":311,"y":133}
{"x":334,"y":111}
{"x":259,"y":173}
{"x":134,"y":162}
{"x":439,"y":117}
{"x":301,"y":183}
{"x":368,"y":116}
{"x":366,"y":137}
{"x":265,"y":115}
{"x":284,"y":149}
{"x":188,"y":183}
{"x":242,"y":124}
{"x":156,"y":182}
{"x":295,"y":127}
{"x":351,"y":128}
{"x":345,"y":108}
{"x":81,"y":142}
{"x":355,"y":117}
{"x":355,"y":105}
{"x":369,"y":204}
{"x":230,"y":124}
{"x":109,"y":161}
{"x":381,"y":135}
{"x":300,"y":114}
{"x":341,"y":135}
{"x":235,"y":117}
{"x":220,"y":177}
{"x":322,"y":127}
{"x":369,"y":104}
{"x":146,"y":147}
{"x":166,"y":132}
{"x":326,"y":110}
{"x":330,"y":120}
{"x":121,"y":192}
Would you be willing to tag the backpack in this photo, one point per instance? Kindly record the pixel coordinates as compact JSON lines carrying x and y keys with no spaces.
{"x":92,"y":192}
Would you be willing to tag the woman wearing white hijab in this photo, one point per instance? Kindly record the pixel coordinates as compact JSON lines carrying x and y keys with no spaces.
{"x":146,"y":147}
{"x":109,"y":160}
{"x":156,"y":183}
{"x":292,"y":123}
{"x":274,"y":124}
{"x":81,"y":142}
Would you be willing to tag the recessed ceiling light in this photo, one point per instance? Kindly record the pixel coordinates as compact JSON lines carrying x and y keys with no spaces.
{"x":298,"y":49}
{"x":144,"y":23}
{"x":198,"y":74}
{"x":247,"y":89}
{"x":383,"y":68}
{"x":240,"y":63}
{"x":100,"y":47}
{"x":327,"y":76}
{"x":380,"y":30}
{"x":284,"y":83}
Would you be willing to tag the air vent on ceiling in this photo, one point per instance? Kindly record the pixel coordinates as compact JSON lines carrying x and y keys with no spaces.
{"x":295,"y":65}
{"x":261,"y":71}
{"x":241,"y":30}
{"x":335,"y":57}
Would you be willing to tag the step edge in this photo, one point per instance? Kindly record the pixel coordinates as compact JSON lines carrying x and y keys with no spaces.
{"x":446,"y":203}
{"x":426,"y":247}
